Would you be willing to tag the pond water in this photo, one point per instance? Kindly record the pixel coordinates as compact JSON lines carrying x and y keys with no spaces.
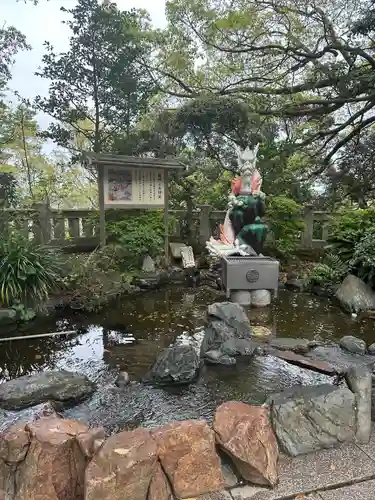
{"x":129,"y":335}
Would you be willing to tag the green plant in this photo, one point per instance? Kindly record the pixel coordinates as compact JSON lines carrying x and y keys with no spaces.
{"x":285,"y":222}
{"x":329,"y":272}
{"x":346,"y":230}
{"x":28,"y":271}
{"x":363,"y":260}
{"x":136,"y":234}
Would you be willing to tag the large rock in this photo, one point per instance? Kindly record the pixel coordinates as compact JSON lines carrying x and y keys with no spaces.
{"x":123,"y":467}
{"x":233,"y":315}
{"x":244,"y":432}
{"x":353,"y":344}
{"x":227,"y":323}
{"x":159,"y":487}
{"x":31,"y":390}
{"x":187,"y":454}
{"x":176,"y":365}
{"x":359,"y":380}
{"x":239,"y":347}
{"x":44,"y":460}
{"x":308,"y":419}
{"x":340,"y":359}
{"x":354,"y":295}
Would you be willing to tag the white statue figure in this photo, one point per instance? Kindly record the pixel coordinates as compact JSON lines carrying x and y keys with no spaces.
{"x":249,"y":182}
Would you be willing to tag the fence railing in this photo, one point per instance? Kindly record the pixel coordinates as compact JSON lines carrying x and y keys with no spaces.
{"x":79,"y":229}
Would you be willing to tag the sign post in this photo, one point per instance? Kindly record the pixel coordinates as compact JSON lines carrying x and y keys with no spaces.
{"x":132,"y":182}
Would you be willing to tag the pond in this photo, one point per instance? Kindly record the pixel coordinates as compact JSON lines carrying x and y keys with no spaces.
{"x":129,"y":335}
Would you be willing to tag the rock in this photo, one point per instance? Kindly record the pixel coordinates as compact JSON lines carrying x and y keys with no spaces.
{"x":311,"y":418}
{"x":175,"y":365}
{"x":239,"y":347}
{"x":339,"y":359}
{"x":289,"y":344}
{"x":300,"y":360}
{"x":371,"y":349}
{"x":48,"y":409}
{"x":353,"y":344}
{"x":7,"y":316}
{"x":261,"y":331}
{"x":244,"y":432}
{"x":187,"y":454}
{"x":218,"y":358}
{"x":231,"y":478}
{"x":148,"y":265}
{"x":295,"y":285}
{"x":123,"y":379}
{"x":359,"y":380}
{"x":261,"y":298}
{"x":14,"y":444}
{"x":159,"y":487}
{"x":123,"y":467}
{"x":354,"y":295}
{"x":232,"y":315}
{"x":51,"y":466}
{"x":215,"y":335}
{"x":31,"y":390}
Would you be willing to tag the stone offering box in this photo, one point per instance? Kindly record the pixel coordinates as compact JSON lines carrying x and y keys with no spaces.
{"x":250,"y":273}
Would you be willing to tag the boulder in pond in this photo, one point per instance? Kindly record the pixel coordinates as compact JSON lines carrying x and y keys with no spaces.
{"x":353,"y":344}
{"x":308,"y":419}
{"x":188,"y":456}
{"x":239,"y":347}
{"x":300,"y":346}
{"x":233,"y":315}
{"x":371,"y":349}
{"x":216,"y":357}
{"x":30,"y":390}
{"x":340,"y":359}
{"x":244,"y":432}
{"x":176,"y":365}
{"x":123,"y":467}
{"x":355,"y":295}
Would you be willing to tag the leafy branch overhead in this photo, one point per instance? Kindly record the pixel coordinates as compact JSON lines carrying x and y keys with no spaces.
{"x":310,"y":62}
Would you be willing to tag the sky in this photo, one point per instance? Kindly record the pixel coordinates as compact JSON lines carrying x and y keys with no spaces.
{"x":43,"y":22}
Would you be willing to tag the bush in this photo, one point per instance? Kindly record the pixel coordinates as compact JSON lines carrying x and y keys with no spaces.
{"x":347,"y":229}
{"x":138,"y":233}
{"x":285,"y":221}
{"x":363,"y":260}
{"x":331,"y":271}
{"x":28,"y":271}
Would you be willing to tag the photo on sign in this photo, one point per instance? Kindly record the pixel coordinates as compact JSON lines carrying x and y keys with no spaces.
{"x":120,"y":185}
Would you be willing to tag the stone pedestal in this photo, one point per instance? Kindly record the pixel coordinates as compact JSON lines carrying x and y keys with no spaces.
{"x":260,"y":298}
{"x":242,"y":297}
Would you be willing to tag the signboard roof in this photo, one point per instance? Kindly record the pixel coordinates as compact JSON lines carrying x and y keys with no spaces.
{"x":132,"y":161}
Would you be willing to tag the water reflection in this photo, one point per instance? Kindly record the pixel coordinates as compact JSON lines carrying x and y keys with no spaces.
{"x":129,"y":335}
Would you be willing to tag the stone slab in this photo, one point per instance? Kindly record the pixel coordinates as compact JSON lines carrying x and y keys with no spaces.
{"x":309,"y":473}
{"x":303,"y":361}
{"x":341,"y":360}
{"x":361,"y":491}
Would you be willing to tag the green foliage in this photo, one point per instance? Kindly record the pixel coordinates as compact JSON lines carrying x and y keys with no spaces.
{"x":28,"y":271}
{"x":329,"y":272}
{"x":363,"y":261}
{"x":137,"y":233}
{"x":347,"y":229}
{"x":283,"y":216}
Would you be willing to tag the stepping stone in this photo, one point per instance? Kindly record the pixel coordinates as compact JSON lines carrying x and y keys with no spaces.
{"x":361,"y":491}
{"x":304,"y":362}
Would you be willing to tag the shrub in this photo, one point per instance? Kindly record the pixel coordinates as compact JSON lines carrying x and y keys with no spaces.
{"x":285,"y":221}
{"x":329,"y":272}
{"x":363,"y":260}
{"x":347,"y":229}
{"x":28,"y":271}
{"x":138,"y":233}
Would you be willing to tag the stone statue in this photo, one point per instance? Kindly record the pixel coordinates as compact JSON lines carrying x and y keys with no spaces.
{"x":243,"y":229}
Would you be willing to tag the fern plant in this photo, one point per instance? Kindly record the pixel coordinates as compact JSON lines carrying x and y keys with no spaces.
{"x":331,"y":271}
{"x":363,"y":260}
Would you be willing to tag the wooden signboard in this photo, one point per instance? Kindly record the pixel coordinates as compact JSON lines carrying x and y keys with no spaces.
{"x":133,"y":187}
{"x":132,"y":182}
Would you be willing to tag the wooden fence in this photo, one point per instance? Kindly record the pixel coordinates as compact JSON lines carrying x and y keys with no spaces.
{"x":78,"y":230}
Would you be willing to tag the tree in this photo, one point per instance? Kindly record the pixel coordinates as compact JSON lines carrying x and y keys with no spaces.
{"x":11,"y":42}
{"x":311,"y":63}
{"x":100,"y":79}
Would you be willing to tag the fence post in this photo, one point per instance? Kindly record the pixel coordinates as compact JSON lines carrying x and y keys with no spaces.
{"x":307,"y":235}
{"x":42,"y":224}
{"x":204,"y":223}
